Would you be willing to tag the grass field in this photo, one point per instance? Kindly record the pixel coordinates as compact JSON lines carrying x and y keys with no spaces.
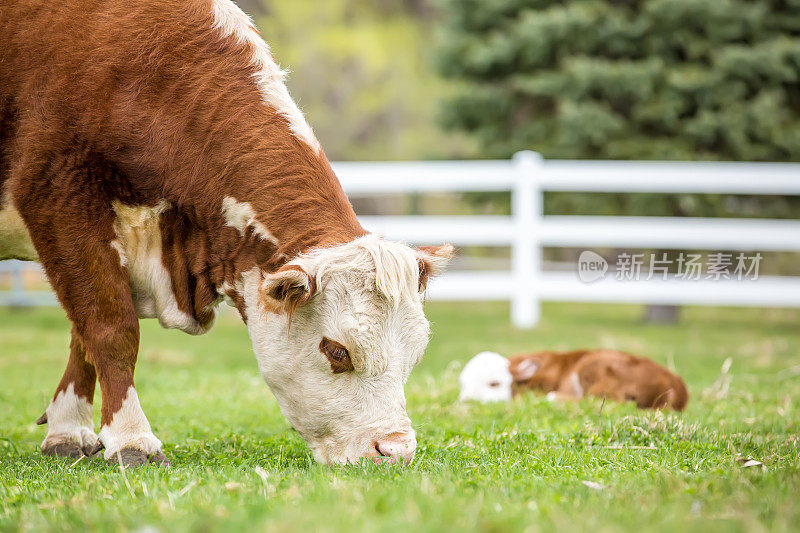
{"x":236,"y":464}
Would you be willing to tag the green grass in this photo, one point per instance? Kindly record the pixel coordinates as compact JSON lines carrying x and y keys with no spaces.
{"x":236,"y":464}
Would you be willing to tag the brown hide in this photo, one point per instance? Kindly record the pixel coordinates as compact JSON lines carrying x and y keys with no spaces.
{"x":603,"y":373}
{"x":161,"y":108}
{"x":139,"y":103}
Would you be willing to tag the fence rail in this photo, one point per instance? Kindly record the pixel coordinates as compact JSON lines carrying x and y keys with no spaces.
{"x":527,"y":176}
{"x":621,"y":232}
{"x":18,"y":295}
{"x":527,"y":230}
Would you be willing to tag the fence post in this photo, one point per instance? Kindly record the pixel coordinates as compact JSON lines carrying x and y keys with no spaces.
{"x":526,"y":254}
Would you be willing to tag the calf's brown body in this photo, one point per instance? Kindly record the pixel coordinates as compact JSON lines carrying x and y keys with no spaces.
{"x":607,"y":374}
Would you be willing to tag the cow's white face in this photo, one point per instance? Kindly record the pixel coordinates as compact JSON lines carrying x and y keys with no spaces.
{"x":336,"y":334}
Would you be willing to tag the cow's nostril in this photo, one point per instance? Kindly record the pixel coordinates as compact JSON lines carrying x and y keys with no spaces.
{"x":395,"y":447}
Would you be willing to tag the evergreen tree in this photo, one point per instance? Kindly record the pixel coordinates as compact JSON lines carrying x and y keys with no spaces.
{"x":627,"y":79}
{"x":361,"y":71}
{"x":630,"y":79}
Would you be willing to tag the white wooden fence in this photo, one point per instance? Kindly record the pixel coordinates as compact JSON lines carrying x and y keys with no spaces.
{"x":527,"y":231}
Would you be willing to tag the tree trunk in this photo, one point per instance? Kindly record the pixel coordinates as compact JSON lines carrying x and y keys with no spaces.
{"x":662,"y":314}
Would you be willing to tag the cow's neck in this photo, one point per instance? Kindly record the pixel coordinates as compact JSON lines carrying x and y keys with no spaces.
{"x":243,"y":176}
{"x":297,"y":200}
{"x":267,"y":211}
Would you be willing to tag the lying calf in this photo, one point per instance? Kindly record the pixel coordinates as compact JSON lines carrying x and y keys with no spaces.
{"x":604,"y":373}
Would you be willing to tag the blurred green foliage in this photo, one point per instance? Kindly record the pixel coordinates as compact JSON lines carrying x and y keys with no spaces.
{"x":619,"y":79}
{"x":362,"y":72}
{"x":630,"y":79}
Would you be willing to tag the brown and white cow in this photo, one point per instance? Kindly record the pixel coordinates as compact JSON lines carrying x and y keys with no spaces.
{"x":607,"y":374}
{"x":152,"y":159}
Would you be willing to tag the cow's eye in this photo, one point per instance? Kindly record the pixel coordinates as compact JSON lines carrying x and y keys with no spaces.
{"x":494,"y":384}
{"x":337,"y":355}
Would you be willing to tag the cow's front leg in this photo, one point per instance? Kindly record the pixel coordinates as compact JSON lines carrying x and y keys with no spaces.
{"x":125,"y":433}
{"x":111,"y":339}
{"x":70,"y":426}
{"x":65,"y":202}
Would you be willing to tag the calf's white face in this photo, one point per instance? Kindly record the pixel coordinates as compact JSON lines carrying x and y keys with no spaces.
{"x":486,"y":378}
{"x":336,"y":334}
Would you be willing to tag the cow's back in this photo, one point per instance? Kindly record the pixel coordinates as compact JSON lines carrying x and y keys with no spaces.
{"x":34,"y":34}
{"x":130,"y":81}
{"x":129,"y":86}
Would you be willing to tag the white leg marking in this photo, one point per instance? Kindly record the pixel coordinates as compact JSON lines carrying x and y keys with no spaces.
{"x":129,"y":428}
{"x":69,"y":419}
{"x":232,"y":22}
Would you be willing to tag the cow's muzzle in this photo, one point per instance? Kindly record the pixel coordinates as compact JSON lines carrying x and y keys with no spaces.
{"x":395,"y":447}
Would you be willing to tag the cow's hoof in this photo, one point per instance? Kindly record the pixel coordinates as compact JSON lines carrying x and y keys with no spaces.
{"x":67,"y":448}
{"x":74,"y":444}
{"x":136,"y":457}
{"x":159,"y":458}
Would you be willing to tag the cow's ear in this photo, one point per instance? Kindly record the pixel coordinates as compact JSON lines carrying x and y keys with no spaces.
{"x":523,"y":369}
{"x":286,"y":289}
{"x":432,"y":262}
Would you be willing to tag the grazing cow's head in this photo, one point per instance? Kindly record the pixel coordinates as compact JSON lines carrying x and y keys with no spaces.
{"x":336,"y":333}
